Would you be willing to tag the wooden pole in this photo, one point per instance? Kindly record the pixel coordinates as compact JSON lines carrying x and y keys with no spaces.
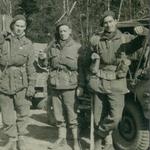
{"x":92,"y":124}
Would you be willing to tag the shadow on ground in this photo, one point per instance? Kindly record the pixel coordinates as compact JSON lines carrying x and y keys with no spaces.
{"x":40,"y":117}
{"x":49,"y":133}
{"x":44,"y":133}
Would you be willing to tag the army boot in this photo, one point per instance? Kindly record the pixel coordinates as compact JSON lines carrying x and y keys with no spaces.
{"x":11,"y":145}
{"x":61,"y":141}
{"x":75,"y":134}
{"x":21,"y":143}
{"x":108,"y":142}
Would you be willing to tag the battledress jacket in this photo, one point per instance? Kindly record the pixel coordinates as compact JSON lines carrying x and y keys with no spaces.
{"x":63,"y":64}
{"x":16,"y":64}
{"x":109,"y":51}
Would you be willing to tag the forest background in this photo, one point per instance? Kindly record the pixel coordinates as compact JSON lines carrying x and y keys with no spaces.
{"x":85,"y":17}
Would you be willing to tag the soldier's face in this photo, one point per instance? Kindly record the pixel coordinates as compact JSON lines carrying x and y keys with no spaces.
{"x":19,"y":27}
{"x":110,"y":24}
{"x":64,"y":32}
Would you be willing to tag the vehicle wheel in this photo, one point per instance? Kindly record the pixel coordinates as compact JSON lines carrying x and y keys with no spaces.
{"x":39,"y":103}
{"x":42,"y":104}
{"x":132,"y":132}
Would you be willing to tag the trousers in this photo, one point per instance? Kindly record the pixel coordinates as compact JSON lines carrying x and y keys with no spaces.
{"x":64,"y":104}
{"x":15,"y":112}
{"x":108,"y":109}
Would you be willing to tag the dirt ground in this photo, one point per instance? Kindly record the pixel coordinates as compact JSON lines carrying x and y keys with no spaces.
{"x":41,"y":134}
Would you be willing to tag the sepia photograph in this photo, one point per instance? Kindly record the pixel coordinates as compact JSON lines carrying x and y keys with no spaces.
{"x":74,"y":75}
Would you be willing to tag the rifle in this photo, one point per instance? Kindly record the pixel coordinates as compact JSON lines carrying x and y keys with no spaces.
{"x":140,"y":61}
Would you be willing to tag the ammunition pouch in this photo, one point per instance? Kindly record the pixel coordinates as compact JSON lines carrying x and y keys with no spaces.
{"x":62,"y":79}
{"x":19,"y":75}
{"x":122,"y":69}
{"x":107,"y":75}
{"x":106,"y":80}
{"x":101,"y":85}
{"x":98,"y":85}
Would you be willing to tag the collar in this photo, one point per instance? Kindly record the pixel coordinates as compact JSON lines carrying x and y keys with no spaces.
{"x":18,"y":37}
{"x":67,"y":43}
{"x":111,"y":36}
{"x":9,"y":36}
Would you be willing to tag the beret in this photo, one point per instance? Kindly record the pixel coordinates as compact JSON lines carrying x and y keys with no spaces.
{"x":106,"y":14}
{"x":16,"y":18}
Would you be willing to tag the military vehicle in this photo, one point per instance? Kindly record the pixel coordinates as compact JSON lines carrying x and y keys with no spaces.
{"x":40,"y":98}
{"x":133,"y":132}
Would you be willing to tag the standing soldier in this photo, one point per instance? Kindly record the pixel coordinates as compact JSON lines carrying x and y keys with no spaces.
{"x":107,"y":78}
{"x":63,"y":60}
{"x":17,"y":79}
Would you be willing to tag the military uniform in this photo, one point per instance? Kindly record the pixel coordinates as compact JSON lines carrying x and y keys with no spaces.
{"x":109,"y":82}
{"x":63,"y":76}
{"x":16,"y":75}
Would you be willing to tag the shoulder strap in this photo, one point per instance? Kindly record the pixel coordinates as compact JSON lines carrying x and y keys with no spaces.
{"x":6,"y":45}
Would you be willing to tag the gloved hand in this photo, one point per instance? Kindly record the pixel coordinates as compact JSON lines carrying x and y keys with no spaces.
{"x":30,"y":92}
{"x":79,"y":91}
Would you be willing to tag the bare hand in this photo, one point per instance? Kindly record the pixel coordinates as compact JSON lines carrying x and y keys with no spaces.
{"x":139,"y":30}
{"x":95,"y":56}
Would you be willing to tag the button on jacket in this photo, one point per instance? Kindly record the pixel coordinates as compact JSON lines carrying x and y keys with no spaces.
{"x":63,"y":58}
{"x":109,"y":50}
{"x":16,"y":64}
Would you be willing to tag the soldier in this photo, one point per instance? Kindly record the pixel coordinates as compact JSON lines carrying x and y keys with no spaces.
{"x":17,"y":79}
{"x":107,"y":78}
{"x":63,"y":58}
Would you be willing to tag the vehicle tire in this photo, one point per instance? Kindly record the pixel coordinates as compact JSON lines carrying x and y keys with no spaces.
{"x":132,"y":132}
{"x":39,"y":103}
{"x":42,"y":104}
